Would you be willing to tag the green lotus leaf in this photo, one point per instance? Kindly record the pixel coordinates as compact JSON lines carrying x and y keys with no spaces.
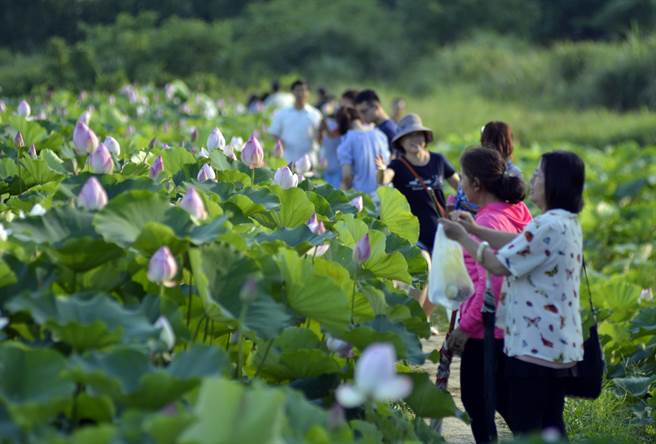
{"x":31,"y":385}
{"x":395,"y":213}
{"x":350,"y":230}
{"x":83,"y":254}
{"x":295,"y":208}
{"x":386,"y":265}
{"x":176,"y":159}
{"x":426,"y":400}
{"x":57,"y":225}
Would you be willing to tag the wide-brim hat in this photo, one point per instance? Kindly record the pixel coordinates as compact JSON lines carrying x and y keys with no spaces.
{"x":411,"y":123}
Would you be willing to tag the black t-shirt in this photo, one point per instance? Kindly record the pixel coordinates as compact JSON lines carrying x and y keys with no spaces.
{"x":434,"y":173}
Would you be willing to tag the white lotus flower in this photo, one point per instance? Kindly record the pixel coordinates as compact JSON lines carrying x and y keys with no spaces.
{"x":303,"y":165}
{"x":112,"y":145}
{"x":375,"y":378}
{"x":37,"y":210}
{"x":285,"y":178}
{"x":24,"y":109}
{"x":215,"y":140}
{"x":4,"y":233}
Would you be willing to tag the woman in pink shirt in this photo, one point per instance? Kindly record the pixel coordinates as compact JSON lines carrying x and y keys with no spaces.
{"x":498,"y":193}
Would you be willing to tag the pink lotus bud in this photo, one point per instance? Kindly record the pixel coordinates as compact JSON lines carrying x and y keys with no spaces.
{"x":101,"y":161}
{"x":18,"y":140}
{"x":285,"y":178}
{"x":169,"y":91}
{"x":92,"y":196}
{"x":303,"y":165}
{"x":165,"y":146}
{"x":32,"y":151}
{"x":85,"y":117}
{"x":279,"y":149}
{"x":203,"y":154}
{"x":229,"y":152}
{"x":336,"y":417}
{"x":646,"y":295}
{"x":237,"y":144}
{"x":193,"y":204}
{"x":167,"y":336}
{"x":206,"y":173}
{"x":362,"y":250}
{"x":112,"y":145}
{"x":24,"y":109}
{"x":162,"y":267}
{"x":215,"y":140}
{"x":253,"y":154}
{"x":84,"y":138}
{"x":194,"y":134}
{"x":130,"y":130}
{"x":315,"y":225}
{"x":248,"y":291}
{"x":357,"y":203}
{"x":157,"y":167}
{"x":3,"y":106}
{"x":335,"y":345}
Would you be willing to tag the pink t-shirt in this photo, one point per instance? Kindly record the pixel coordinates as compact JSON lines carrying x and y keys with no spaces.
{"x":498,"y":216}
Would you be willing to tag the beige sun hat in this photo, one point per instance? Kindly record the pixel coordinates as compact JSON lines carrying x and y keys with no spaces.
{"x":411,"y":123}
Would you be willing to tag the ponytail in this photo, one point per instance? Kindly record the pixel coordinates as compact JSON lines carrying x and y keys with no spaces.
{"x":489,"y":168}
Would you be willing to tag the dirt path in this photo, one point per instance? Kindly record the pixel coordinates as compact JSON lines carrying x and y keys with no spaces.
{"x":454,"y":430}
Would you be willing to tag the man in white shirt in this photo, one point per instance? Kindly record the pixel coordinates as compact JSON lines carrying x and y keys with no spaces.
{"x":297,"y":126}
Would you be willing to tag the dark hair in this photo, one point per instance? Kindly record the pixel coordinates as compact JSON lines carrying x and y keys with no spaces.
{"x":489,"y":168}
{"x":299,"y":82}
{"x":368,"y":95}
{"x":345,"y":117}
{"x":498,"y":136}
{"x":275,"y":86}
{"x":350,"y":94}
{"x":564,"y":177}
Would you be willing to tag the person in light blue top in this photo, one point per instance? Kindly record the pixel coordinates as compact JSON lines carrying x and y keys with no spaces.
{"x":497,"y":136}
{"x":330,"y":140}
{"x":357,"y":152}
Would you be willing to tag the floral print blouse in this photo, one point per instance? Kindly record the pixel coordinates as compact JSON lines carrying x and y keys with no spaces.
{"x":539,"y":303}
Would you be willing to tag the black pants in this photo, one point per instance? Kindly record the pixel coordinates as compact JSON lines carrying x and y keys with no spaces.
{"x":471,"y":386}
{"x":535,"y":397}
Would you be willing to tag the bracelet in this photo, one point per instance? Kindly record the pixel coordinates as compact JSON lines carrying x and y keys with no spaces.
{"x":480,"y":251}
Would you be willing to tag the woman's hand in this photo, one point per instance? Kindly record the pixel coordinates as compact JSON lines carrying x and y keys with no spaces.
{"x":380,"y":163}
{"x":465,"y":219}
{"x":453,"y":230}
{"x":456,"y":341}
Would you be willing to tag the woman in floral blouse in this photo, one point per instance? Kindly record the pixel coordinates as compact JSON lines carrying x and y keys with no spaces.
{"x":539,"y":304}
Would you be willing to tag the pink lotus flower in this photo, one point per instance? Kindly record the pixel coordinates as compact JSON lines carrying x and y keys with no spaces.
{"x":157,"y":167}
{"x":279,"y":149}
{"x":253,"y":154}
{"x":24,"y":109}
{"x":101,"y":161}
{"x":303,"y":165}
{"x":162,"y":267}
{"x":375,"y":378}
{"x":285,"y":178}
{"x":362,"y":250}
{"x":84,"y":138}
{"x":206,"y":173}
{"x":317,"y":227}
{"x":193,"y":204}
{"x":18,"y":140}
{"x":194,"y":134}
{"x":112,"y":145}
{"x":357,"y":203}
{"x":32,"y":151}
{"x":216,"y":140}
{"x":167,"y":336}
{"x":92,"y":196}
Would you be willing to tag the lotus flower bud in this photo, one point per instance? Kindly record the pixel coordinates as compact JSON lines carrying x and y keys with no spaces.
{"x":3,"y":106}
{"x":37,"y":210}
{"x":18,"y":140}
{"x":253,"y":154}
{"x":167,"y":336}
{"x":193,"y":204}
{"x":4,"y":233}
{"x":157,"y":167}
{"x":92,"y":196}
{"x":285,"y":178}
{"x":32,"y":151}
{"x":303,"y":165}
{"x":357,"y":203}
{"x":84,"y":138}
{"x":112,"y":145}
{"x":169,"y":91}
{"x":237,"y":144}
{"x":162,"y":267}
{"x":101,"y":161}
{"x":203,"y":154}
{"x":248,"y":291}
{"x":279,"y":149}
{"x":194,"y":134}
{"x":315,"y":225}
{"x":85,"y":117}
{"x":206,"y":173}
{"x":229,"y":152}
{"x":165,"y":146}
{"x":336,"y":417}
{"x":335,"y":345}
{"x":362,"y":250}
{"x":24,"y":109}
{"x":215,"y":140}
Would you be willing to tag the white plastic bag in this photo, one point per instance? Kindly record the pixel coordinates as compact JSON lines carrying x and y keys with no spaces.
{"x":449,"y":283}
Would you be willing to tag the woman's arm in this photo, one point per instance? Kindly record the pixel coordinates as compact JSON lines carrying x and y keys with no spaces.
{"x":454,"y":180}
{"x":489,"y":261}
{"x":384,"y":175}
{"x":496,"y":239}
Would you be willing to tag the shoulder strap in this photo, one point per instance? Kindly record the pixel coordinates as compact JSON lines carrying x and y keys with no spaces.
{"x":440,"y":210}
{"x":593,"y":310}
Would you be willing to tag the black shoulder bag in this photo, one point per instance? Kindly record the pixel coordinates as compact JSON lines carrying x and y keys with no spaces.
{"x":586,"y":378}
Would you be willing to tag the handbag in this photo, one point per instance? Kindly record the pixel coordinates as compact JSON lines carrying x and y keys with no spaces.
{"x":585,"y":379}
{"x":439,"y":209}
